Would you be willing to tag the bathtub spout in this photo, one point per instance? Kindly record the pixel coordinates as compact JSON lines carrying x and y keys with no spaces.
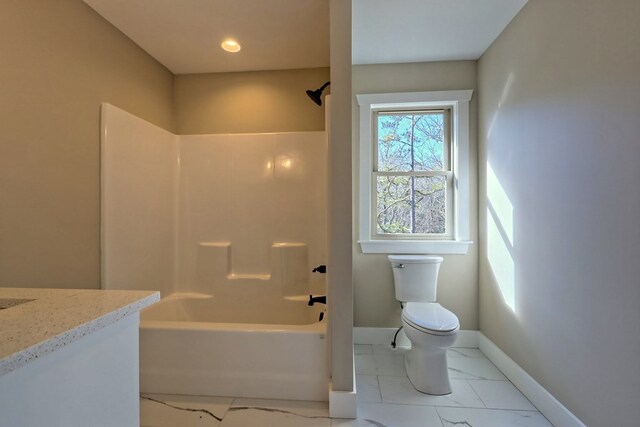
{"x":321,"y":299}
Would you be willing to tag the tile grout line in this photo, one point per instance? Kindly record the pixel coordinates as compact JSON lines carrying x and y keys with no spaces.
{"x":233,"y":401}
{"x":439,"y":417}
{"x":510,"y":382}
{"x":506,"y":409}
{"x":477,"y":394}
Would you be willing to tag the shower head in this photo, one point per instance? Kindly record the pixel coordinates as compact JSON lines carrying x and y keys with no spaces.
{"x":316,"y":94}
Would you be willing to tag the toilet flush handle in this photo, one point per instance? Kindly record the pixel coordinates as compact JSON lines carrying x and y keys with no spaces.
{"x":397,"y":265}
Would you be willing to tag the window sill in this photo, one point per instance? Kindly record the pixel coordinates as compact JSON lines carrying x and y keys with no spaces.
{"x":445,"y":247}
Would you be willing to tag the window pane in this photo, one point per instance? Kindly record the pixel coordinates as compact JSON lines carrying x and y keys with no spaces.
{"x":411,"y":142}
{"x":430,"y":204}
{"x":394,"y":206}
{"x":411,"y":205}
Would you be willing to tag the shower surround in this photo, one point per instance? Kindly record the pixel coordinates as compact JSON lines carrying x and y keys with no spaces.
{"x":228,"y":228}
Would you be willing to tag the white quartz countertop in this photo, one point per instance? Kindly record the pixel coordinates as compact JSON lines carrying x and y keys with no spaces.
{"x":57,"y":317}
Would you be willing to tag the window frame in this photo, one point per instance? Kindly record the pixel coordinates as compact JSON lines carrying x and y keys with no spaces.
{"x":447,"y":173}
{"x":459,"y":240}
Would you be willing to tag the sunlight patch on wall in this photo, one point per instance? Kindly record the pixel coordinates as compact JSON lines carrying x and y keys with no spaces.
{"x":500,"y":203}
{"x":500,"y":238}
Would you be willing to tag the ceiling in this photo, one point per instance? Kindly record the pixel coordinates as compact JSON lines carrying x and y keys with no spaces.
{"x":185,"y":35}
{"x":427,"y":30}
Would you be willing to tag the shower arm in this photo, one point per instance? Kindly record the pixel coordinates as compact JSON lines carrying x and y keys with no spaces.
{"x":321,"y":89}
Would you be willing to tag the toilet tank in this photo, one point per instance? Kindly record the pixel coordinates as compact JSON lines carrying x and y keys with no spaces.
{"x":415,"y":277}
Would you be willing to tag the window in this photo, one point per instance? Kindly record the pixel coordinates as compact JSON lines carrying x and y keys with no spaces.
{"x":414,"y":181}
{"x":412,"y":172}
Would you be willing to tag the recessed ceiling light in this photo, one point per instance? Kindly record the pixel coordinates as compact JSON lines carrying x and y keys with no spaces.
{"x":231,"y":46}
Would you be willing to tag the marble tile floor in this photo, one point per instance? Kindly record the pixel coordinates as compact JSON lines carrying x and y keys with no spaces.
{"x":482,"y":397}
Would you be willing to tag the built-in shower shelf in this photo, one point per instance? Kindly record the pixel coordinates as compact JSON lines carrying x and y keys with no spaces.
{"x":304,"y":297}
{"x":236,"y":276}
{"x":215,"y":244}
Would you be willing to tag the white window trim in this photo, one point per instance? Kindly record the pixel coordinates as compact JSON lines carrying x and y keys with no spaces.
{"x":458,"y":100}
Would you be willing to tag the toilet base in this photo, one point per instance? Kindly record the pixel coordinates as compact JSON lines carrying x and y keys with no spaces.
{"x":428,"y":371}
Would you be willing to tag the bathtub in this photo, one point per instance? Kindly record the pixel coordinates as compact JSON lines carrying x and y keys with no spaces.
{"x":202,"y":345}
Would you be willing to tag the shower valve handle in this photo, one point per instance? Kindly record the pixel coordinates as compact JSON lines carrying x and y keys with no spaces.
{"x":320,"y":269}
{"x":314,"y":300}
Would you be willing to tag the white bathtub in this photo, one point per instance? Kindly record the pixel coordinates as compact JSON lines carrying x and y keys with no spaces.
{"x":201,"y":345}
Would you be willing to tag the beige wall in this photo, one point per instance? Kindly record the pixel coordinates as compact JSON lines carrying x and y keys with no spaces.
{"x":60,"y":60}
{"x":375,"y":303}
{"x":249,"y":102}
{"x":559,"y":127}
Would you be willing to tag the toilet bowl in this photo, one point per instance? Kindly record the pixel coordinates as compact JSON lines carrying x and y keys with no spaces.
{"x":430,"y":328}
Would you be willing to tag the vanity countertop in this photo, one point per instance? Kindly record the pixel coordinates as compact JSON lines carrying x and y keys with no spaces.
{"x":35,"y":322}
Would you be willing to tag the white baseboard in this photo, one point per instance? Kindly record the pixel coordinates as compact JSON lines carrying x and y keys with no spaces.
{"x":466,"y":338}
{"x":342,"y":404}
{"x":548,"y":405}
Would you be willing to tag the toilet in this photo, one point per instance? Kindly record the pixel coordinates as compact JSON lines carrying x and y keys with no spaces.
{"x":430,"y":327}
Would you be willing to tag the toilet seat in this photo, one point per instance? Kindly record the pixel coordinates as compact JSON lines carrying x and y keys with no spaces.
{"x":431,"y":318}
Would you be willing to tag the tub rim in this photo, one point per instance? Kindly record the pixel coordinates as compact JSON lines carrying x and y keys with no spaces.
{"x":317,"y":327}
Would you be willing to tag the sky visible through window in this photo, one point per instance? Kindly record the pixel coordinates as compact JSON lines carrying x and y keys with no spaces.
{"x":412,"y":142}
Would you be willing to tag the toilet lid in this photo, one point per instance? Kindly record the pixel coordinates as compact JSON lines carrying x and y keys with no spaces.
{"x":415,"y":259}
{"x":431,"y":316}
